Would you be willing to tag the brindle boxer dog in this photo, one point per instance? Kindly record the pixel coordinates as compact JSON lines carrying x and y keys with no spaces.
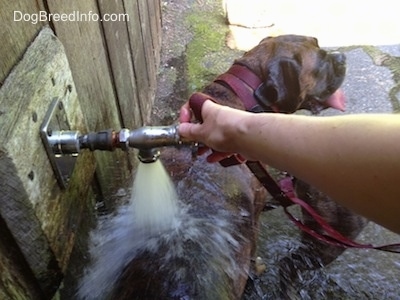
{"x":208,"y":252}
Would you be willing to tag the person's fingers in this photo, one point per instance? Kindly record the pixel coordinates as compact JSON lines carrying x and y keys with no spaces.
{"x":185,"y":113}
{"x":190,"y":131}
{"x":207,"y":107}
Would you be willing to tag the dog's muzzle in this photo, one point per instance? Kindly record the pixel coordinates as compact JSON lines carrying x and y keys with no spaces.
{"x":339,"y":63}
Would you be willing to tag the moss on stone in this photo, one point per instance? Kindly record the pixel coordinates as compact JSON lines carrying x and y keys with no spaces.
{"x":208,"y":37}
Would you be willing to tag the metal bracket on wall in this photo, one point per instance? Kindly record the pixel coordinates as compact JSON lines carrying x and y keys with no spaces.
{"x":55,"y":131}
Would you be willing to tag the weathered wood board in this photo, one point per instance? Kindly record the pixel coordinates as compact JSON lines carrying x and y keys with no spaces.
{"x":15,"y":36}
{"x":87,"y":54}
{"x":122,"y":66}
{"x":17,"y":282}
{"x":112,"y":69}
{"x":40,"y":216}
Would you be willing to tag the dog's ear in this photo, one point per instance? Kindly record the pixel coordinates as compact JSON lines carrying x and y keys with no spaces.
{"x":281,"y":89}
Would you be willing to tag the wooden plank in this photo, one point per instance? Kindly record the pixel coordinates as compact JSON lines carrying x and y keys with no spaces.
{"x":147,"y":17}
{"x":79,"y":256}
{"x":17,"y":280}
{"x":83,"y":42}
{"x":139,"y":57}
{"x":84,"y":46}
{"x":42,"y":218}
{"x":117,"y":41}
{"x":151,"y":71}
{"x":158,"y":34}
{"x":154,"y":9}
{"x":15,"y":35}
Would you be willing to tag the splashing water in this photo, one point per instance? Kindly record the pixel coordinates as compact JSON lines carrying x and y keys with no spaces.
{"x":154,"y":200}
{"x":201,"y":246}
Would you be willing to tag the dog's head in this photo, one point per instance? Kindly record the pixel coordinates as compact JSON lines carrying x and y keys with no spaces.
{"x":296,"y":74}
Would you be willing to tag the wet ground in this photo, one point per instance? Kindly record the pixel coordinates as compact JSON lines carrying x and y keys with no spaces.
{"x":195,"y":51}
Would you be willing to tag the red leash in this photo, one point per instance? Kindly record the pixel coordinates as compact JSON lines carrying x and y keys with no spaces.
{"x":331,"y":236}
{"x":285,"y":194}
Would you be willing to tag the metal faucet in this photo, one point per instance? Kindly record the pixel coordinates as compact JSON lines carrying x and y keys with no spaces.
{"x":146,"y":139}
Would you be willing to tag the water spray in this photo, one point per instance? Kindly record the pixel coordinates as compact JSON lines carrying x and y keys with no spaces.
{"x":148,"y":140}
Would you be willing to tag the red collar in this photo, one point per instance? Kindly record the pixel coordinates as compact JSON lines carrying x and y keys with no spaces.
{"x":243,"y":82}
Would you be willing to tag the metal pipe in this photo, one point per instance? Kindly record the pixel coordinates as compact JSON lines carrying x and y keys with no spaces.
{"x":102,"y":140}
{"x":155,"y":137}
{"x":149,"y":155}
{"x":146,"y":139}
{"x":64,"y":142}
{"x":149,"y":138}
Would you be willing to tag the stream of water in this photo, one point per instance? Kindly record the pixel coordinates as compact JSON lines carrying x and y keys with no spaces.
{"x":154,"y":200}
{"x":193,"y":249}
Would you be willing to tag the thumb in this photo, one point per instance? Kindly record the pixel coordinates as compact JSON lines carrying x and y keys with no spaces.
{"x":190,"y":131}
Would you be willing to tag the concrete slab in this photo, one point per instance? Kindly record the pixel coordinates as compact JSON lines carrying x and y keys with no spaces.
{"x":335,"y":23}
{"x":366,"y":85}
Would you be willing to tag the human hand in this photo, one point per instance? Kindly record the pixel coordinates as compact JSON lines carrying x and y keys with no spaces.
{"x":213,"y":132}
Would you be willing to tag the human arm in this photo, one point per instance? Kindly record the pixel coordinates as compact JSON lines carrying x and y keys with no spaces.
{"x":355,"y":159}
